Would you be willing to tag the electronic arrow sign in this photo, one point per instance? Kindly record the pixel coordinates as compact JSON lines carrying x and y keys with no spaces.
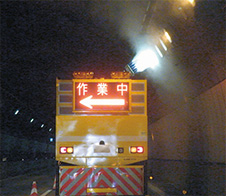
{"x":100,"y":95}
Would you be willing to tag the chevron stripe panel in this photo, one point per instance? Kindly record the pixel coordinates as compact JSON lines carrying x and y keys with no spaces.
{"x":101,"y":181}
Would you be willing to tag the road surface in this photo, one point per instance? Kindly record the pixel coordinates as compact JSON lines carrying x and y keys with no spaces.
{"x":22,"y":185}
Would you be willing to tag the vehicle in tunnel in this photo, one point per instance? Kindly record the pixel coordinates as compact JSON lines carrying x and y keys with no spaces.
{"x":185,"y":90}
{"x":101,"y":135}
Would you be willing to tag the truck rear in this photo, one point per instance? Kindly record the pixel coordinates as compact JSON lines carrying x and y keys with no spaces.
{"x":101,"y":135}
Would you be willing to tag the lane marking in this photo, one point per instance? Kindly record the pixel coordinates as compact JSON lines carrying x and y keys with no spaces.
{"x":156,"y":189}
{"x":46,"y":193}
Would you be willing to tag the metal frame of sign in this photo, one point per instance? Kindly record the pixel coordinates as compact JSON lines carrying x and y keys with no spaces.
{"x":88,"y":110}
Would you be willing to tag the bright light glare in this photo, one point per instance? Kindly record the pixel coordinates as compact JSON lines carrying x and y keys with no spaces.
{"x":31,"y":120}
{"x":145,"y":59}
{"x":42,"y":125}
{"x":192,"y":2}
{"x":168,"y":36}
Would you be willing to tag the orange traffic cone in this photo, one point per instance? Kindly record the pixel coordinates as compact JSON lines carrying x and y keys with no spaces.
{"x":34,"y":191}
{"x":54,"y":183}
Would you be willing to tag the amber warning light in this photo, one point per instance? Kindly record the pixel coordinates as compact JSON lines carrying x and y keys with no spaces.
{"x":101,"y":96}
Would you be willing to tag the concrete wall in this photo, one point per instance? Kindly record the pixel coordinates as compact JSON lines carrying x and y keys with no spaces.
{"x":187,"y":147}
{"x":196,"y":131}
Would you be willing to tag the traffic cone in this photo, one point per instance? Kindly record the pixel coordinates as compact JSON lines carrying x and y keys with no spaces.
{"x":54,"y":183}
{"x":34,"y":191}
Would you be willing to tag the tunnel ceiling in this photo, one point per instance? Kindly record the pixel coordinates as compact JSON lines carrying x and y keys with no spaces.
{"x":45,"y":40}
{"x":194,"y":61}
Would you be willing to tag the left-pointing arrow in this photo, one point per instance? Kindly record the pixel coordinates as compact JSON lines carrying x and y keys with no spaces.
{"x":89,"y":102}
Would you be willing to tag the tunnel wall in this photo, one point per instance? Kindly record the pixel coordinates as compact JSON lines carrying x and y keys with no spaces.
{"x":194,"y":132}
{"x":187,"y":146}
{"x":21,"y":156}
{"x":16,"y":149}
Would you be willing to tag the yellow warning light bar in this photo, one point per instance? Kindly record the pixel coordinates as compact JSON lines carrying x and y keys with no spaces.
{"x":120,"y":75}
{"x":83,"y":75}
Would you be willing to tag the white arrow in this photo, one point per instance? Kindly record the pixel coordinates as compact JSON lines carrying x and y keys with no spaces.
{"x":88,"y":102}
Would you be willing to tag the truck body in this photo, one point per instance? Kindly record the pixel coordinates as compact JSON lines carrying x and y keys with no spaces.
{"x":101,"y":136}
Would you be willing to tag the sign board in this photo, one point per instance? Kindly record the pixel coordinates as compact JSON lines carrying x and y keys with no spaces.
{"x":101,"y":95}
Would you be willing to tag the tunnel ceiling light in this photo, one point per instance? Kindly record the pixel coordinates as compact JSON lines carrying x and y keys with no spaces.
{"x":31,"y":120}
{"x":163,"y":45}
{"x":16,"y":112}
{"x":143,"y":60}
{"x":159,"y":52}
{"x":167,"y":36}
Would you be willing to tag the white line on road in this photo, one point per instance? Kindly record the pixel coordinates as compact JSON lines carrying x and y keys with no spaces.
{"x":46,"y":193}
{"x":156,"y":190}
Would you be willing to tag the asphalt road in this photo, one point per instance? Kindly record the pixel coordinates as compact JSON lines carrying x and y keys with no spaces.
{"x":22,"y":185}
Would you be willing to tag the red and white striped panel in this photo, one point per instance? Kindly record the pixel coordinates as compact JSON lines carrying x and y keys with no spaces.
{"x":101,"y":181}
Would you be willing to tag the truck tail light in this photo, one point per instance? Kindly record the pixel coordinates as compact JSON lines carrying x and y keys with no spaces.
{"x":140,"y":149}
{"x":66,"y":150}
{"x":133,"y":149}
{"x":137,"y":149}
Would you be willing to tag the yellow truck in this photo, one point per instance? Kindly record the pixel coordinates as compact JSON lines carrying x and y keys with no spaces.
{"x":101,"y":135}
